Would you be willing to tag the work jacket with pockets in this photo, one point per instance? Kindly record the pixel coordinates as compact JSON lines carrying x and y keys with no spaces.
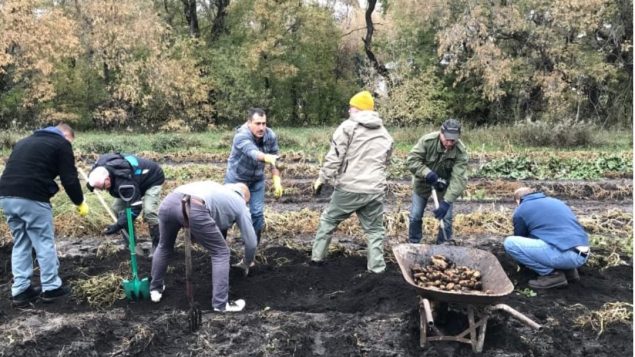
{"x":429,"y":155}
{"x":143,"y":175}
{"x":359,"y":155}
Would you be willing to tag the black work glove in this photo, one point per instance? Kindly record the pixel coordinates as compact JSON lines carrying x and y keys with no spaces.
{"x":432,"y":178}
{"x":112,"y":229}
{"x":440,"y":212}
{"x":441,"y":184}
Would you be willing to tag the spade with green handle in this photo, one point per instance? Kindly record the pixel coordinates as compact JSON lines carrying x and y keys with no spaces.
{"x":135,"y":288}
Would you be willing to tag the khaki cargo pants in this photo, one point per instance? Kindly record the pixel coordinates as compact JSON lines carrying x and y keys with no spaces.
{"x":151,"y":201}
{"x":369,"y":208}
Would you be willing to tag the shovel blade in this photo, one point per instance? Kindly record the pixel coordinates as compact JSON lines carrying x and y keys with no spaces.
{"x":137,"y":289}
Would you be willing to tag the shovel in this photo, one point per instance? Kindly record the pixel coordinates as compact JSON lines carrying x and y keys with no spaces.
{"x":194,"y":315}
{"x":134,"y":288}
{"x":436,"y":206}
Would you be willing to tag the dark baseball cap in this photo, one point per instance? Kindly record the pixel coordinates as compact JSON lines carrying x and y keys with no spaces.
{"x":451,"y":129}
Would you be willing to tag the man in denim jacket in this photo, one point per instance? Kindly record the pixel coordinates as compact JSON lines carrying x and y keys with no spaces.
{"x":548,"y":239}
{"x":254,"y":146}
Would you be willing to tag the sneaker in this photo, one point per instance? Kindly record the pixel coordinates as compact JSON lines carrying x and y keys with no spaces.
{"x":233,"y":306}
{"x":156,"y":295}
{"x":316,"y":263}
{"x":553,"y":280}
{"x":25,"y":297}
{"x":52,"y":295}
{"x":572,"y":274}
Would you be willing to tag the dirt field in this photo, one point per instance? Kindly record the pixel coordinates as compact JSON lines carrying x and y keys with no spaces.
{"x":295,"y":309}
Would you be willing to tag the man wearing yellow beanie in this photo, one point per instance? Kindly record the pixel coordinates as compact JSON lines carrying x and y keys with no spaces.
{"x":363,"y":101}
{"x":356,"y":166}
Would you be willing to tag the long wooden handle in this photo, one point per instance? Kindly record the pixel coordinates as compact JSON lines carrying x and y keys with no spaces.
{"x":101,"y":199}
{"x":435,"y":199}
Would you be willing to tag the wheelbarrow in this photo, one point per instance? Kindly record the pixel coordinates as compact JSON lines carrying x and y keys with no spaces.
{"x":135,"y":289}
{"x":480,"y":304}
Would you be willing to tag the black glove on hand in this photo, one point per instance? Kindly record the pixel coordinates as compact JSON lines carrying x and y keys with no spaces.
{"x":440,"y":212}
{"x":441,"y":184}
{"x":112,"y":229}
{"x":432,"y":178}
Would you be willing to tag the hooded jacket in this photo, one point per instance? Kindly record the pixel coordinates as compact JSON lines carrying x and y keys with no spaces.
{"x":145,"y":175}
{"x":429,"y":155}
{"x":359,"y":155}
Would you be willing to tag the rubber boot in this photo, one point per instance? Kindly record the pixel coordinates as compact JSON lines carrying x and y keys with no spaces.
{"x":155,"y":235}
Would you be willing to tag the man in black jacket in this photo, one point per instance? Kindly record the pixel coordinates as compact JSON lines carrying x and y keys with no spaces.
{"x":26,"y":187}
{"x":114,"y":170}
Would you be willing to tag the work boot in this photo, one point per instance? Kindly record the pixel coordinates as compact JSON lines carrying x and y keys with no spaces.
{"x":155,"y":235}
{"x":572,"y":274}
{"x":53,"y":295}
{"x":25,"y":297}
{"x":553,"y":280}
{"x":258,"y":235}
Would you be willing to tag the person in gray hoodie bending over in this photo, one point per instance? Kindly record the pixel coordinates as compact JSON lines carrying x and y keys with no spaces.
{"x":356,"y":166}
{"x":213,"y":208}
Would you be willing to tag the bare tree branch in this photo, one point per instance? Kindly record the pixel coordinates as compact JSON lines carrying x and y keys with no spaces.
{"x":379,"y":67}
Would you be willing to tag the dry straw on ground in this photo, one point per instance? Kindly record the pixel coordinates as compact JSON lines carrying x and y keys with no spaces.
{"x":101,"y":290}
{"x":609,"y":314}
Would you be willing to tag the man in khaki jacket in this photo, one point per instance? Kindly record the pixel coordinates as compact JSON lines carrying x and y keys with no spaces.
{"x":438,"y":161}
{"x":356,"y":166}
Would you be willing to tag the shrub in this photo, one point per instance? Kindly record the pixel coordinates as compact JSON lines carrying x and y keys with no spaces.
{"x":565,"y":133}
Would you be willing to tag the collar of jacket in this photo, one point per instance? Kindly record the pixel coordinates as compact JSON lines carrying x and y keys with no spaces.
{"x":441,"y":150}
{"x":532,"y":196}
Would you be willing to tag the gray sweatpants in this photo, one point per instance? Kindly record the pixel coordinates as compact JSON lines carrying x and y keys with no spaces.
{"x":203,"y":231}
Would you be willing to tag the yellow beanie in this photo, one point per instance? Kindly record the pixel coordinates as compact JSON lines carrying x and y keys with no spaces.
{"x":363,"y":101}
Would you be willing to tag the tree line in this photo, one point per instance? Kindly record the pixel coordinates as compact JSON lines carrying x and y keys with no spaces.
{"x":197,"y":64}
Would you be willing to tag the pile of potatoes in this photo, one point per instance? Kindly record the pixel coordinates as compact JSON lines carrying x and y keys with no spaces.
{"x":443,"y":274}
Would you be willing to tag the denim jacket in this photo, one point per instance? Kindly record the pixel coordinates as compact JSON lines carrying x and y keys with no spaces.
{"x":242,"y":165}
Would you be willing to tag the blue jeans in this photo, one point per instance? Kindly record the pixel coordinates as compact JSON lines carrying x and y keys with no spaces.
{"x":31,"y":224}
{"x":540,"y":256}
{"x":256,"y":202}
{"x":419,"y":203}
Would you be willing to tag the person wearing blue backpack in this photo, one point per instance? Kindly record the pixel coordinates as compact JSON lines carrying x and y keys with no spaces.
{"x":114,"y":170}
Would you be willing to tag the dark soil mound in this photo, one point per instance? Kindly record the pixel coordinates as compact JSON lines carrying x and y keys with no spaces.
{"x":296,"y":309}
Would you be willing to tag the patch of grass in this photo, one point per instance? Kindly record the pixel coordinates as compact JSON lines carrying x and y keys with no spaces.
{"x":165,"y":142}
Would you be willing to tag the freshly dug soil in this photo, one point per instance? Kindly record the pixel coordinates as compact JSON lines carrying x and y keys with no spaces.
{"x":296,"y":309}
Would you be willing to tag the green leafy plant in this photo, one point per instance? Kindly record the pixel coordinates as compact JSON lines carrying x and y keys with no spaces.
{"x":527,"y":292}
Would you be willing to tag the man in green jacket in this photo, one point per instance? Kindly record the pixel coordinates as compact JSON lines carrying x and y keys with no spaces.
{"x":438,"y":161}
{"x":356,"y":166}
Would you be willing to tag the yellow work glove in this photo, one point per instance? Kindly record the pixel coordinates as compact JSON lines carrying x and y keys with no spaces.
{"x":271,"y":159}
{"x":82,"y":209}
{"x":277,"y":187}
{"x":317,"y":186}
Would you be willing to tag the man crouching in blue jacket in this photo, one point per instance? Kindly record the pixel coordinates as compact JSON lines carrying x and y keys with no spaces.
{"x":547,"y":239}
